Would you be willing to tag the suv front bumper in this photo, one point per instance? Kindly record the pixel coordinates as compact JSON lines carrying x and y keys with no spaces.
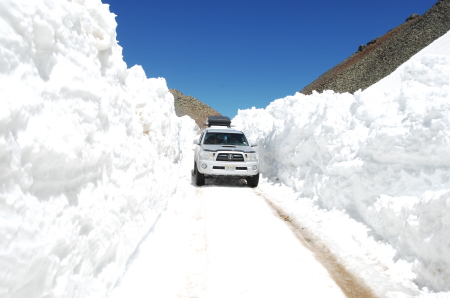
{"x":223,"y":168}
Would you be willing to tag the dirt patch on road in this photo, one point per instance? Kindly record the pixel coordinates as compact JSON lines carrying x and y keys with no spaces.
{"x":351,"y":285}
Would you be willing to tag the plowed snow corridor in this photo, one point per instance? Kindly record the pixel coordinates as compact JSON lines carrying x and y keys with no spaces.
{"x":227,"y":240}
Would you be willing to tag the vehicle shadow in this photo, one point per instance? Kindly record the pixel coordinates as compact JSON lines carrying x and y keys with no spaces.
{"x":221,"y":181}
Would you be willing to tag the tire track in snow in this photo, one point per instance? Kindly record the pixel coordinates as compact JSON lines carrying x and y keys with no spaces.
{"x":352,"y":286}
{"x":251,"y":253}
{"x":195,"y":281}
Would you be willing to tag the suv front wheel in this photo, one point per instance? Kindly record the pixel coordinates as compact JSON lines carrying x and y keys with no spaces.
{"x":199,"y":177}
{"x":253,"y":181}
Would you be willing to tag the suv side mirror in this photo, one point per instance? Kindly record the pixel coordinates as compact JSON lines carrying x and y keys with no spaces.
{"x":196,"y":142}
{"x":254,"y":144}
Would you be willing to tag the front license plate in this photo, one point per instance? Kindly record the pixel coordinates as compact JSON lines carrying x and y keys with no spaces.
{"x":230,"y":168}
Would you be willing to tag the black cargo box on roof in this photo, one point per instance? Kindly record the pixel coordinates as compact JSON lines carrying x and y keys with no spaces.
{"x":218,"y":121}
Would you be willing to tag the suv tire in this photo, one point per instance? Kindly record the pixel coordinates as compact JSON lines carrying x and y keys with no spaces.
{"x":253,"y":181}
{"x":199,"y":177}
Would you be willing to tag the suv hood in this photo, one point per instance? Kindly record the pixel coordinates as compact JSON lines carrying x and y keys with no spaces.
{"x":215,"y":148}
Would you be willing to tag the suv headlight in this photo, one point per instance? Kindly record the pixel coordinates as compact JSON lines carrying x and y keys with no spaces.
{"x":207,"y":155}
{"x":251,"y":156}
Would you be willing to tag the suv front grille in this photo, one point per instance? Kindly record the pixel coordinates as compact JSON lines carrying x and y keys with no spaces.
{"x":223,"y":168}
{"x":230,"y":157}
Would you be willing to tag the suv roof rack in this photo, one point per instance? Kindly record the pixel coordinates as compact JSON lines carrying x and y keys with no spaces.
{"x":218,"y":121}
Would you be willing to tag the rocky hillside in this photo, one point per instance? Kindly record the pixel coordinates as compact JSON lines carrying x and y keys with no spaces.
{"x":384,"y":54}
{"x":194,"y":108}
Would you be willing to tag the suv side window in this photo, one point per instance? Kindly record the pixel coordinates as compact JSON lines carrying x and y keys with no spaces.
{"x":201,"y":137}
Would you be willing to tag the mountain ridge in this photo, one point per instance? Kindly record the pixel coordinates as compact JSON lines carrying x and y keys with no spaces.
{"x":192,"y":107}
{"x":381,"y":56}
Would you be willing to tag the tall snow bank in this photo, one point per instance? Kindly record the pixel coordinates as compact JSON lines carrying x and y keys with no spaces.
{"x":88,"y":150}
{"x":381,"y":156}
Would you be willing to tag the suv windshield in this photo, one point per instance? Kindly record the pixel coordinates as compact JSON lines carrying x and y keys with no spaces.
{"x":225,"y":139}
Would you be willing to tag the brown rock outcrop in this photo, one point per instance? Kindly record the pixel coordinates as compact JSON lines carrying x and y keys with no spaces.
{"x":192,"y":107}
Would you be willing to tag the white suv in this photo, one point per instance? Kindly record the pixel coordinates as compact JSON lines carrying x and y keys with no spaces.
{"x":223,"y":151}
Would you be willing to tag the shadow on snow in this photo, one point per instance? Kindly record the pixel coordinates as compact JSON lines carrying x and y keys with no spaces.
{"x":226,"y":181}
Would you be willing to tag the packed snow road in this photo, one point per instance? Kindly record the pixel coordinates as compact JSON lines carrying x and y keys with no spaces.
{"x":227,"y":240}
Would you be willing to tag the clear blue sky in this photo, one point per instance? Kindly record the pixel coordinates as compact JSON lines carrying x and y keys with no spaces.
{"x":238,"y":54}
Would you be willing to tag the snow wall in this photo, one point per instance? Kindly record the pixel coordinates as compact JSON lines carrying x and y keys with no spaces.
{"x":382,"y":156}
{"x":84,"y":142}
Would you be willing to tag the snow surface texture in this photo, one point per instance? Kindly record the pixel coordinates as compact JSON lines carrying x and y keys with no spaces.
{"x":382,"y":156}
{"x":83,"y":142}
